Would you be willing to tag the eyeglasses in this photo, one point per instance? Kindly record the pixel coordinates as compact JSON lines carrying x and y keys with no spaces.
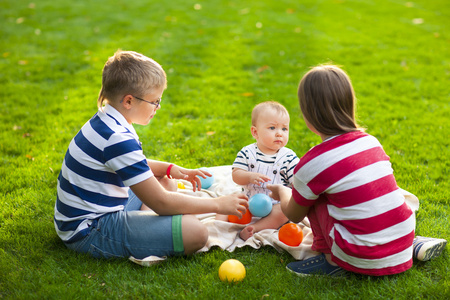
{"x":157,"y":103}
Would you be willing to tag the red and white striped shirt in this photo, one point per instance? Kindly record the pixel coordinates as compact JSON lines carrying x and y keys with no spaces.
{"x":373,"y":227}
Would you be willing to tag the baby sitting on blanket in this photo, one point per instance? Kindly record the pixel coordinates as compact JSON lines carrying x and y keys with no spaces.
{"x":266,"y":161}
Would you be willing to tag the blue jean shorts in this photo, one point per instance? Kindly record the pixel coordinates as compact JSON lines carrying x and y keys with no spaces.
{"x":132,"y":232}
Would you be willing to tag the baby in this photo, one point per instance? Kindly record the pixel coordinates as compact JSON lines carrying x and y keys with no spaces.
{"x":267,"y":160}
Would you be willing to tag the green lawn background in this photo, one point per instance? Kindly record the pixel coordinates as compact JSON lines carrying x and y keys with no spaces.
{"x":221,"y":57}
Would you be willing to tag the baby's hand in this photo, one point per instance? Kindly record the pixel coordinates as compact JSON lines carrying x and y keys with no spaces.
{"x":258,"y":179}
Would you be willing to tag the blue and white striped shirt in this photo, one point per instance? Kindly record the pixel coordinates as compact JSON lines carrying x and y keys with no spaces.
{"x":103,"y":160}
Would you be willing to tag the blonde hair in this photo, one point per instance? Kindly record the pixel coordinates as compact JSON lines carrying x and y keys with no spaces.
{"x":328,"y":101}
{"x":129,"y":72}
{"x":261,"y":107}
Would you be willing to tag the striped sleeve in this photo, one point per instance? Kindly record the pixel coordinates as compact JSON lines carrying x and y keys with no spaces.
{"x":241,"y":161}
{"x":125,"y":157}
{"x":291,"y":163}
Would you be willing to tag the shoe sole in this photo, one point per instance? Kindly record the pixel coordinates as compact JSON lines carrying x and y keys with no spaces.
{"x":338,"y":274}
{"x":434,"y":251}
{"x":298,"y":274}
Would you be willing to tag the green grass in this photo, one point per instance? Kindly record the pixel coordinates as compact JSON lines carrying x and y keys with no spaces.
{"x":221,"y":60}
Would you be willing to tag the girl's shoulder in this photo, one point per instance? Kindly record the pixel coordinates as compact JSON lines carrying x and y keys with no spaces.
{"x":341,"y":143}
{"x":347,"y":138}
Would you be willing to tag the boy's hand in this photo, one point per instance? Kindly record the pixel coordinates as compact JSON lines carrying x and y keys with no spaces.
{"x":234,"y":204}
{"x":190,"y":175}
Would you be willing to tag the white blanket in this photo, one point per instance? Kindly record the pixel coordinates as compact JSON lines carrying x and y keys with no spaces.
{"x":226,"y":235}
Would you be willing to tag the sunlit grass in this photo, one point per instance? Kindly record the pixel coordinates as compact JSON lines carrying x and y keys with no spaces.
{"x":221,"y":57}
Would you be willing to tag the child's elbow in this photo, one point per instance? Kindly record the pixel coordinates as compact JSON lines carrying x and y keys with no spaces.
{"x":234,"y":176}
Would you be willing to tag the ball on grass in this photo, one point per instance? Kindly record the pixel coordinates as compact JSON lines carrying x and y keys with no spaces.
{"x":260,"y":205}
{"x":232,"y":270}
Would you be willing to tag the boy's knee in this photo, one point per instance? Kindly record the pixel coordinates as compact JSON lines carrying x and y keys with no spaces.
{"x":195,"y":234}
{"x":202,"y":235}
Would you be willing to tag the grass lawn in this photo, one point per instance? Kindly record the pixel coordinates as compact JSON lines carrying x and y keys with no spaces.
{"x":222,"y":57}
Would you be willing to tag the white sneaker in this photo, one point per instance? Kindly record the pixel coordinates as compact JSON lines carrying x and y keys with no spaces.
{"x":425,"y":248}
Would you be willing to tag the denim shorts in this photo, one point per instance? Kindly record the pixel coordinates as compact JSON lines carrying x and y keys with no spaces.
{"x":132,"y":232}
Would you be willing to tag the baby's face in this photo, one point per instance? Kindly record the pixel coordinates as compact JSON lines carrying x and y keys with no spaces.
{"x":271,"y":131}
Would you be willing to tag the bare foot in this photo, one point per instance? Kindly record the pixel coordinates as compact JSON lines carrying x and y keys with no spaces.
{"x":247,"y":232}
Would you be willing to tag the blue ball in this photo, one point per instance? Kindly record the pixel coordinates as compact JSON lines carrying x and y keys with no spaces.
{"x":260,"y":205}
{"x":208,"y":181}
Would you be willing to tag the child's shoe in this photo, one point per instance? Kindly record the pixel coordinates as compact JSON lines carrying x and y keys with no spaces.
{"x":425,"y":248}
{"x":317,"y":265}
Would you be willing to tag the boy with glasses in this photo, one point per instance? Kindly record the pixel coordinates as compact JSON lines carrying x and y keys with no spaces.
{"x":106,"y":183}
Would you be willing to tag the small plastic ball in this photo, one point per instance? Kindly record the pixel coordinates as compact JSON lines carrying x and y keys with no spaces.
{"x":208,"y":181}
{"x":291,"y":234}
{"x":232,"y":270}
{"x":260,"y":205}
{"x":246,"y":218}
{"x":181,"y":185}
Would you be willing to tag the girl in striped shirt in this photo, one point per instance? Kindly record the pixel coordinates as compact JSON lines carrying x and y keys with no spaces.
{"x":361,"y":220}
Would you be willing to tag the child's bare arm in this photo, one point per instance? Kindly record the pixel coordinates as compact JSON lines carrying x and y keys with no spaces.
{"x":243,"y":177}
{"x":160,"y":169}
{"x":296,"y":213}
{"x":163,"y":202}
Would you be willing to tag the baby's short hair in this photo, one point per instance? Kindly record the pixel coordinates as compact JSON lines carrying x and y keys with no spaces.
{"x":259,"y":108}
{"x":129,"y":72}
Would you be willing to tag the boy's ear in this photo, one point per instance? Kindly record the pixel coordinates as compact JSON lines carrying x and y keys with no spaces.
{"x":254,"y":132}
{"x":126,"y":101}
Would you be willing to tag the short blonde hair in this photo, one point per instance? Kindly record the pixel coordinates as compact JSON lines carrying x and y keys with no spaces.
{"x":129,"y":72}
{"x":261,"y":107}
{"x":328,"y":101}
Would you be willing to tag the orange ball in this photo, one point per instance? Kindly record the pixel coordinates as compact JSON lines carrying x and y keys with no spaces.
{"x":291,"y":234}
{"x":246,"y":218}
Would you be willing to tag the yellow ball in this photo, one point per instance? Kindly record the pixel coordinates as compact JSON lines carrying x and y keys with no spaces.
{"x":231,"y":270}
{"x":181,"y":185}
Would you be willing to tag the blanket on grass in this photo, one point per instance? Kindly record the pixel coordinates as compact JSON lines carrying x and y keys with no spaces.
{"x":226,"y":235}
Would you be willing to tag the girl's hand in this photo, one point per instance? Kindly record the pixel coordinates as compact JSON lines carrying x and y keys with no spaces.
{"x":279,"y":192}
{"x":234,"y":204}
{"x":295,"y":212}
{"x":190,"y":175}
